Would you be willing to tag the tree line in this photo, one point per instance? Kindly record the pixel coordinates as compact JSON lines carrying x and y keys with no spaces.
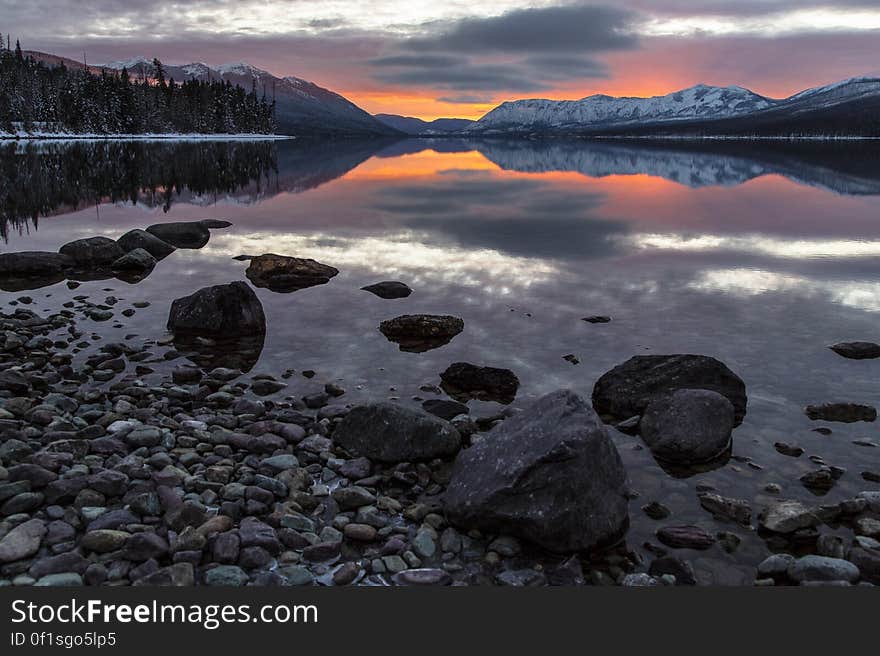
{"x":35,"y":97}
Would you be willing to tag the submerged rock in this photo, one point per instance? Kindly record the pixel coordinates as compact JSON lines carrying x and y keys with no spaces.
{"x":182,"y":234}
{"x":92,"y":252}
{"x":857,"y":350}
{"x":550,"y":475}
{"x":627,"y":389}
{"x":444,"y":408}
{"x":465,"y":381}
{"x":847,"y":413}
{"x":281,"y":273}
{"x":223,"y":311}
{"x":417,"y":333}
{"x":690,"y":426}
{"x":388,"y":289}
{"x":389,"y":432}
{"x":141,"y":239}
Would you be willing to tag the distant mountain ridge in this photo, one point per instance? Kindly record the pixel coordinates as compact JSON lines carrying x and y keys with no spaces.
{"x":302,"y":107}
{"x":416,"y":126}
{"x":846,"y":108}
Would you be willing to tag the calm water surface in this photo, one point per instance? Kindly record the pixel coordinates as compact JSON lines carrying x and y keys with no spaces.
{"x":759,"y":256}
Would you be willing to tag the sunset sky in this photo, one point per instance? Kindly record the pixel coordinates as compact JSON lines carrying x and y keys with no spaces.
{"x":455,"y":58}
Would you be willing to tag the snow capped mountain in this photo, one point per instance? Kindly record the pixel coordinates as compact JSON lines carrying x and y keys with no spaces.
{"x":302,"y":108}
{"x":727,"y":109}
{"x":698,"y":102}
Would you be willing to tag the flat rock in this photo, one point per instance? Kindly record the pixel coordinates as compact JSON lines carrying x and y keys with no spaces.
{"x":857,"y":350}
{"x":550,"y":474}
{"x":685,"y":537}
{"x":389,"y":289}
{"x":417,"y":333}
{"x":737,"y":510}
{"x":281,"y":273}
{"x":627,"y":389}
{"x":33,"y":263}
{"x":786,"y":516}
{"x":843,"y":412}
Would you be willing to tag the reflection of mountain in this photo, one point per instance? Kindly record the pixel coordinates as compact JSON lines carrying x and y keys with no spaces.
{"x":845,"y":167}
{"x":44,"y":179}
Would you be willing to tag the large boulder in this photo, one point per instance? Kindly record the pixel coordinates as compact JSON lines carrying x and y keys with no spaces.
{"x":389,"y":432}
{"x":417,"y":333}
{"x":281,"y":273}
{"x":550,"y":474}
{"x":33,"y":263}
{"x":688,"y":427}
{"x":134,"y":239}
{"x":92,"y":252}
{"x":221,"y":311}
{"x":182,"y":234}
{"x":626,"y":390}
{"x":465,"y":381}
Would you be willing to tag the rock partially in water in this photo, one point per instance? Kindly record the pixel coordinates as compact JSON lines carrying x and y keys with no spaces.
{"x":182,"y":234}
{"x":135,"y":239}
{"x":444,"y":408}
{"x":597,"y":319}
{"x":685,"y":537}
{"x":417,"y":333}
{"x":92,"y":252}
{"x":464,"y":381}
{"x":822,"y":568}
{"x":857,"y":350}
{"x":216,"y":224}
{"x":549,"y":474}
{"x":137,"y":261}
{"x":281,"y":273}
{"x":627,"y":389}
{"x":388,"y":289}
{"x":389,"y":432}
{"x":32,"y":270}
{"x":847,"y":413}
{"x":737,"y":510}
{"x":690,"y":426}
{"x":787,"y":516}
{"x":223,"y":311}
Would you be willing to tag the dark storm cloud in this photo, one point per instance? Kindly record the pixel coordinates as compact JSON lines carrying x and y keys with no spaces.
{"x":466,"y":99}
{"x":576,"y":28}
{"x":537,"y":46}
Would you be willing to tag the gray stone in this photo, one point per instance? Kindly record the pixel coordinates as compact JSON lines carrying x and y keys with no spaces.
{"x":688,"y":427}
{"x":23,"y":541}
{"x":822,"y":568}
{"x":226,"y":575}
{"x":389,"y":432}
{"x":550,"y":474}
{"x":786,"y":516}
{"x":141,"y":239}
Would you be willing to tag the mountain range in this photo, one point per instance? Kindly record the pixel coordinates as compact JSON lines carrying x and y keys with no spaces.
{"x":847,"y":108}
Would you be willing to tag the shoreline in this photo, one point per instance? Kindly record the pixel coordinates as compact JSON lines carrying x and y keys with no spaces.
{"x":143,"y":137}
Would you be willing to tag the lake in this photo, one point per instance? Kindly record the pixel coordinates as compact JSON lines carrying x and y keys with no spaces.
{"x":758,"y":254}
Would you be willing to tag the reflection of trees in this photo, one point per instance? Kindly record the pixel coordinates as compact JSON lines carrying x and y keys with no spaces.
{"x":43,"y":179}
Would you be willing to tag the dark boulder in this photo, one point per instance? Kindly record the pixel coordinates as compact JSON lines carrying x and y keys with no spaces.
{"x":550,"y":474}
{"x":183,"y":234}
{"x":280,"y":273}
{"x":136,"y":261}
{"x":857,"y":350}
{"x":33,"y":263}
{"x":417,"y":333}
{"x":134,"y":239}
{"x":389,"y":432}
{"x":388,"y":289}
{"x":93,"y":252}
{"x":688,"y":426}
{"x":465,"y":381}
{"x":626,"y":390}
{"x":222,"y":311}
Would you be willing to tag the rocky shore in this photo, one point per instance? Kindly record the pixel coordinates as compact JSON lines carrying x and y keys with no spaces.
{"x":197,"y":477}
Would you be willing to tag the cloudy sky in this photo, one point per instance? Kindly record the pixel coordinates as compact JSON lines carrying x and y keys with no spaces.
{"x":460,"y":58}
